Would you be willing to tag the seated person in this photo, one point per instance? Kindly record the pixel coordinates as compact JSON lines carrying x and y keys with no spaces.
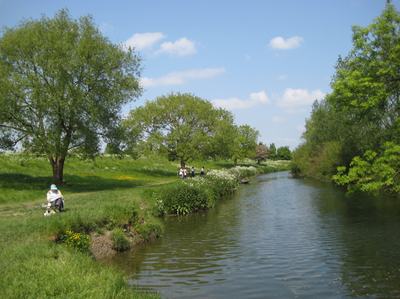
{"x":55,"y":198}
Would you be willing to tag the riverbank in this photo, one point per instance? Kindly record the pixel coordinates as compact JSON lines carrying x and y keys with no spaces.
{"x":101,"y":196}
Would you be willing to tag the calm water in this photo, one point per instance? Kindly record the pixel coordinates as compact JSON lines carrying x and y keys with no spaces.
{"x":277,"y":238}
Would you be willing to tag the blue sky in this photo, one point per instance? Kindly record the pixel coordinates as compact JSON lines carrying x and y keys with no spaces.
{"x":266,"y":61}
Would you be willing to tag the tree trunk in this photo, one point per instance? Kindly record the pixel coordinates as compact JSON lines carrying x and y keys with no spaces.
{"x":57,"y":164}
{"x":183,"y":164}
{"x":258,"y":161}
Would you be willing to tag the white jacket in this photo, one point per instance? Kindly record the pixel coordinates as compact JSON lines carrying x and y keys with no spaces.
{"x":51,"y":196}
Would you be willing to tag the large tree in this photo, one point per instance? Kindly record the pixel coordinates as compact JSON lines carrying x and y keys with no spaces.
{"x":283,"y":153}
{"x":62,"y":84}
{"x":366,"y":86}
{"x":245,"y":143}
{"x":358,"y":124}
{"x":179,"y":125}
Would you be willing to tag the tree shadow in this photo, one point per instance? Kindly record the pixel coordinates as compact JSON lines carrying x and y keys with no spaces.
{"x":74,"y":183}
{"x":157,"y":172}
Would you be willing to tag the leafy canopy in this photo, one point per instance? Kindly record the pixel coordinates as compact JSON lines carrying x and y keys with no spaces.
{"x":179,"y":125}
{"x":355,"y":124}
{"x":62,"y":84}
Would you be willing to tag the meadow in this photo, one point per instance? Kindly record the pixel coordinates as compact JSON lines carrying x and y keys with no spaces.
{"x":100,"y":195}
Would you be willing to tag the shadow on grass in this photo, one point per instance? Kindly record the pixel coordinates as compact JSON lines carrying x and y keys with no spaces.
{"x":74,"y":183}
{"x":157,"y":172}
{"x":225,"y":164}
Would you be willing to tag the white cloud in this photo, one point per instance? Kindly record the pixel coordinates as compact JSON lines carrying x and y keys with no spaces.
{"x":141,"y":41}
{"x":181,"y":47}
{"x":281,"y":43}
{"x":298,"y":98}
{"x":255,"y":98}
{"x":181,"y":77}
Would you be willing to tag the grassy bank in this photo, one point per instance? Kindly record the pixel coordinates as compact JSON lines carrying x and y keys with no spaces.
{"x":104,"y":195}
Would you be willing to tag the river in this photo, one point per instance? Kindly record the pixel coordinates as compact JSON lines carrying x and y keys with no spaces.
{"x":278,"y":237}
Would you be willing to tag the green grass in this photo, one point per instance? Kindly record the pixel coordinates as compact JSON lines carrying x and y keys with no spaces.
{"x":106,"y":194}
{"x":102,"y":194}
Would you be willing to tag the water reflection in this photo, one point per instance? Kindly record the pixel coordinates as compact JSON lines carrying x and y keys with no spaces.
{"x":366,"y":232}
{"x":277,"y":238}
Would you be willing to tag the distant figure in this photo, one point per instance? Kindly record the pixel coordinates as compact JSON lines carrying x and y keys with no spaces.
{"x":192,"y":172}
{"x":202,"y":171}
{"x":55,"y":200}
{"x":181,"y":173}
{"x":185,"y":173}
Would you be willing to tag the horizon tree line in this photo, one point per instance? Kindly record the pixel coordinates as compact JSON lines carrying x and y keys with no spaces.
{"x":62,"y":87}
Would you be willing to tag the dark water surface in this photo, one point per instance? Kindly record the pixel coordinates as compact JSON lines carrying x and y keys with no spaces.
{"x":279,"y":237}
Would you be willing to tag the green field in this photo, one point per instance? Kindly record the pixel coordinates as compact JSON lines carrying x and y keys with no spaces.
{"x":99,"y":195}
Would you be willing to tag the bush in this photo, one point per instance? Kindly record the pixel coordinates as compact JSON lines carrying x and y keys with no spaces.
{"x":78,"y":241}
{"x":241,"y":172}
{"x":120,"y":242}
{"x":181,"y":198}
{"x":222,"y":182}
{"x":200,"y":193}
{"x":373,"y":172}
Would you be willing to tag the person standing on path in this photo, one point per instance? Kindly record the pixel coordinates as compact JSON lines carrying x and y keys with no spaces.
{"x":192,"y":173}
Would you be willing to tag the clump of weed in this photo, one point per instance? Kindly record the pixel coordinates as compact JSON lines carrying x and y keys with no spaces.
{"x":120,"y":241}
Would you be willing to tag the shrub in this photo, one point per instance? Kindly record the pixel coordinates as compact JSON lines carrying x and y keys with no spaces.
{"x":373,"y":172}
{"x":120,"y":242}
{"x":200,"y":193}
{"x":241,"y":172}
{"x":78,"y":241}
{"x":181,"y":198}
{"x":222,"y":182}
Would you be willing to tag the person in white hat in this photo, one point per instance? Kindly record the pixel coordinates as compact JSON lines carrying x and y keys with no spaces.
{"x":55,"y":199}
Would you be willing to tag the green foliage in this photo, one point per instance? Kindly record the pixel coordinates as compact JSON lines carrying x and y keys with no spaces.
{"x":76,"y":240}
{"x":319,"y":162}
{"x":200,"y":193}
{"x":184,"y":127}
{"x":62,"y":84}
{"x":283,"y":153}
{"x":245,"y":143}
{"x":223,"y":141}
{"x":373,"y":172}
{"x":179,"y":126}
{"x":272,"y":151}
{"x":182,"y":198}
{"x":120,"y":242}
{"x":361,"y":114}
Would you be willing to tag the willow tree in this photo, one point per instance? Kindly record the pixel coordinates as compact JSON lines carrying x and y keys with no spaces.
{"x":180,"y":126}
{"x":62,"y":85}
